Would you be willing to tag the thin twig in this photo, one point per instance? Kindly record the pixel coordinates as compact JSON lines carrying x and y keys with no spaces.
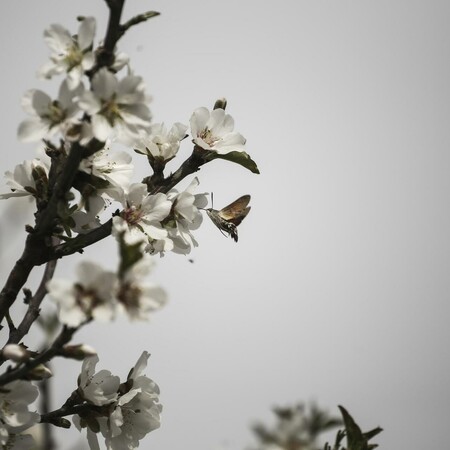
{"x":66,"y":410}
{"x":20,"y":372}
{"x":17,"y":278}
{"x":137,"y":20}
{"x":34,"y":305}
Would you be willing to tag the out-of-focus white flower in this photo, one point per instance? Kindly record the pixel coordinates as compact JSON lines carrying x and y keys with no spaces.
{"x":90,"y":297}
{"x":70,"y":54}
{"x":117,"y":108}
{"x":48,"y":116}
{"x":136,"y":413}
{"x":114,"y":167}
{"x":137,"y":297}
{"x":121,"y":60}
{"x":22,"y":182}
{"x":97,"y":388}
{"x":15,"y":398}
{"x":141,"y":217}
{"x":161,"y":143}
{"x":213,"y":130}
{"x":293,"y":430}
{"x":20,"y":442}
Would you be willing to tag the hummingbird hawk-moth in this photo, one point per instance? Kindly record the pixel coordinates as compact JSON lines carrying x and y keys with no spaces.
{"x":229,"y":217}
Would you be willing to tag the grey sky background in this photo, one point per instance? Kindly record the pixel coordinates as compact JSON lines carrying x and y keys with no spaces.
{"x":338,"y":288}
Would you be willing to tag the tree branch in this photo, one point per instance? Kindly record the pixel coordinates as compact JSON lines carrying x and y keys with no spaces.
{"x":65,"y":410}
{"x":190,"y":166}
{"x":78,"y":243}
{"x":36,"y":246}
{"x":105,"y":55}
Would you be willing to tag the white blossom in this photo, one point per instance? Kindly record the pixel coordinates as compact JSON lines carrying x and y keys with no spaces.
{"x":186,"y":217}
{"x":97,"y":388}
{"x":21,"y":181}
{"x":90,"y":297}
{"x":213,"y":130}
{"x":48,"y":116}
{"x":136,"y":413}
{"x":88,"y":219}
{"x":15,"y":398}
{"x":114,"y":167}
{"x":117,"y":108}
{"x":70,"y":54}
{"x":141,"y":217}
{"x":161,"y":143}
{"x":137,"y":297}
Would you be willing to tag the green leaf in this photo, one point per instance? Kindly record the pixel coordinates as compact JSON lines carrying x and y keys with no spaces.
{"x":355,"y":438}
{"x":241,"y":158}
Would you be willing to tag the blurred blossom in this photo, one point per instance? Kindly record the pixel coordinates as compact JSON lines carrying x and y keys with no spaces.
{"x":90,"y":297}
{"x":70,"y":54}
{"x":22,"y":182}
{"x":137,"y":297}
{"x":15,"y":398}
{"x":48,"y":116}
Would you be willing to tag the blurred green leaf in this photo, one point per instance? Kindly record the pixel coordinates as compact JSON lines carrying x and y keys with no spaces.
{"x":356,"y":439}
{"x":129,"y":254}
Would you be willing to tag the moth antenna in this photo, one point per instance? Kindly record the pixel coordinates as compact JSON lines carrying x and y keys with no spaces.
{"x":212,"y":200}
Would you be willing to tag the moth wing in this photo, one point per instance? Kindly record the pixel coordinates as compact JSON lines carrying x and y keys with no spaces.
{"x":236,"y":209}
{"x":241,"y":216}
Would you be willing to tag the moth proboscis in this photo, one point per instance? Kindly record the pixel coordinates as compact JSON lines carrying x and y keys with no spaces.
{"x":229,"y":217}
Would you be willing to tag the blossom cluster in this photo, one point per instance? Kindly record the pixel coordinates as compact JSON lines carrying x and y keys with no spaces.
{"x":99,"y":109}
{"x":102,"y":295}
{"x":123,"y":413}
{"x":115,"y":111}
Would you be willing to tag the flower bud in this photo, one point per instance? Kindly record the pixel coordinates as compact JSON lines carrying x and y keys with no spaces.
{"x":40,"y":372}
{"x":221,"y":103}
{"x":16,"y":353}
{"x":78,"y":352}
